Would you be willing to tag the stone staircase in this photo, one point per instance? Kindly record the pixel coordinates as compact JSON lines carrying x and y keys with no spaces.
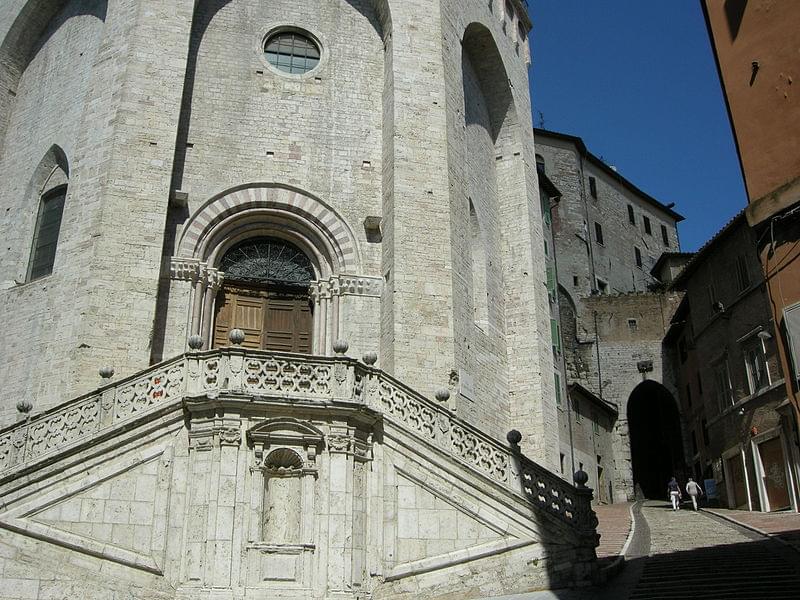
{"x":512,"y":502}
{"x":746,"y":571}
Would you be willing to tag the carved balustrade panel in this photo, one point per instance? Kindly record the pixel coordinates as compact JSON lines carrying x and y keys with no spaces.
{"x":154,"y":388}
{"x":280,"y":376}
{"x":438,"y":426}
{"x":63,"y":428}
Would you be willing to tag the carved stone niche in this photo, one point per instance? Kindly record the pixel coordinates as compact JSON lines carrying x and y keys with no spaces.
{"x":281,"y":545}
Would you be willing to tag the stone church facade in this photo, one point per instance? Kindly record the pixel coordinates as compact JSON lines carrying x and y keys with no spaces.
{"x":216,"y":205}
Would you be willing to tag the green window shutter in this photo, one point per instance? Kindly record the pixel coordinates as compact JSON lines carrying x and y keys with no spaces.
{"x":554,"y":332}
{"x":551,"y":279}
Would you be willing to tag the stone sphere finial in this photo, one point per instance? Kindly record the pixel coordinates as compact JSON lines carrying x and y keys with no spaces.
{"x":442,"y":394}
{"x":24,"y":406}
{"x":340,"y":347}
{"x":370,"y":358}
{"x":236,"y":336}
{"x":514,"y":437}
{"x":581,"y":477}
{"x":195,"y":342}
{"x":106,"y":372}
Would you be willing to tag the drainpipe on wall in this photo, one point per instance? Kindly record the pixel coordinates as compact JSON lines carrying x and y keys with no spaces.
{"x":597,"y":349}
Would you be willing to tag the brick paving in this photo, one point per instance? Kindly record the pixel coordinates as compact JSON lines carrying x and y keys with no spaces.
{"x":782,"y":525}
{"x":614,"y":524}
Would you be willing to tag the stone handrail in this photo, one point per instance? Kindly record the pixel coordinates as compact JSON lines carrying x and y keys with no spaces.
{"x":52,"y":431}
{"x":299,"y":378}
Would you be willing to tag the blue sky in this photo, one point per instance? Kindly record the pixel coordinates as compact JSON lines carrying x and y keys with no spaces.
{"x":636,"y":80}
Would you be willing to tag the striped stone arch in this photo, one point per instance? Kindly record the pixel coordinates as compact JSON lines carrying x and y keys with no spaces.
{"x":277,"y":209}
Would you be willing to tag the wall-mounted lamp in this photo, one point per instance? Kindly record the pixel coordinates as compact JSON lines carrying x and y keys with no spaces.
{"x":764,"y":335}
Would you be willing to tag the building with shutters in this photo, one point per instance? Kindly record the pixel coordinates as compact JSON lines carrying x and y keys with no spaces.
{"x":739,"y":428}
{"x":276,"y":320}
{"x":756,"y":53}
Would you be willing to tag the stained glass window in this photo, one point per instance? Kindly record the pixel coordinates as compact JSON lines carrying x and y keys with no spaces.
{"x":291,"y":52}
{"x":268,"y":260}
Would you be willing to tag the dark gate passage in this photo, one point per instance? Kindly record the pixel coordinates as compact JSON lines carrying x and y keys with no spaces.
{"x":656,"y":441}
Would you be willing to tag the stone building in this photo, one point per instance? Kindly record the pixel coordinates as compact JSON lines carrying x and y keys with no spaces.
{"x":738,"y":420}
{"x":607,"y":236}
{"x":211,"y":203}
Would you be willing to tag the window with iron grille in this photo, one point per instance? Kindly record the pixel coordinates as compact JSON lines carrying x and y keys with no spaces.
{"x":291,"y":52}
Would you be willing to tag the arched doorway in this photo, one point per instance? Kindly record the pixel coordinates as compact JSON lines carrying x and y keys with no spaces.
{"x":655,"y":435}
{"x":266,"y":295}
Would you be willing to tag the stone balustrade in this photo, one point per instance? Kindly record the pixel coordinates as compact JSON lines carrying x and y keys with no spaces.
{"x":255,"y":374}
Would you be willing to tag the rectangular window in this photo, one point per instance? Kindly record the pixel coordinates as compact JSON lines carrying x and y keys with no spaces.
{"x":575,"y":280}
{"x":557,"y":379}
{"x":45,"y":240}
{"x":712,"y":296}
{"x":631,"y":216}
{"x":550,"y":270}
{"x":633,"y":325}
{"x":756,"y":365}
{"x":602,"y":286}
{"x":742,"y":275}
{"x":791,"y":320}
{"x":561,"y":458}
{"x":722,"y":385}
{"x":664,"y":235}
{"x":593,"y":187}
{"x":598,"y":233}
{"x":638,"y":256}
{"x":647,"y":228}
{"x":555,"y":333}
{"x":576,"y":409}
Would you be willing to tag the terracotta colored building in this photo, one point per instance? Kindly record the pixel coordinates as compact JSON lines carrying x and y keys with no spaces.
{"x":757,"y":49}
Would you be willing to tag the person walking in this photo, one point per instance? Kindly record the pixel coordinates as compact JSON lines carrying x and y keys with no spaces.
{"x":694,"y":490}
{"x":674,"y":491}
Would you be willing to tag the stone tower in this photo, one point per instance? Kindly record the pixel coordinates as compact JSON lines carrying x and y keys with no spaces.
{"x":287,"y":176}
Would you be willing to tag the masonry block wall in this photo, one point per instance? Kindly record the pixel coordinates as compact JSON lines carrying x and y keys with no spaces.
{"x":165,"y":101}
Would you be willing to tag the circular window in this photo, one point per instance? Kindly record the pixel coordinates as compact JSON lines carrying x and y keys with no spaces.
{"x":291,"y":52}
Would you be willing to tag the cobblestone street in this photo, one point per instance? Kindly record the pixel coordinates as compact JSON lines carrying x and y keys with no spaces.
{"x":681,"y":554}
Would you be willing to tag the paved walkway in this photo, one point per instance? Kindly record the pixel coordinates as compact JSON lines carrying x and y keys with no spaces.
{"x":782,"y":525}
{"x":683,"y":554}
{"x":694,"y":554}
{"x":613,"y":527}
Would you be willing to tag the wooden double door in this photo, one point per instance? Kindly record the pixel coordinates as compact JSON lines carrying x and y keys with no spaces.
{"x":272,"y":317}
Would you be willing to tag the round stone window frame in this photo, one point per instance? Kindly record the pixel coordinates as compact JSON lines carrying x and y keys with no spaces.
{"x":273,"y":30}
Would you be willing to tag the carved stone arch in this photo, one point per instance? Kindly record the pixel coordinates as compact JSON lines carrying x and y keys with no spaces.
{"x":25,"y":36}
{"x":274,"y":209}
